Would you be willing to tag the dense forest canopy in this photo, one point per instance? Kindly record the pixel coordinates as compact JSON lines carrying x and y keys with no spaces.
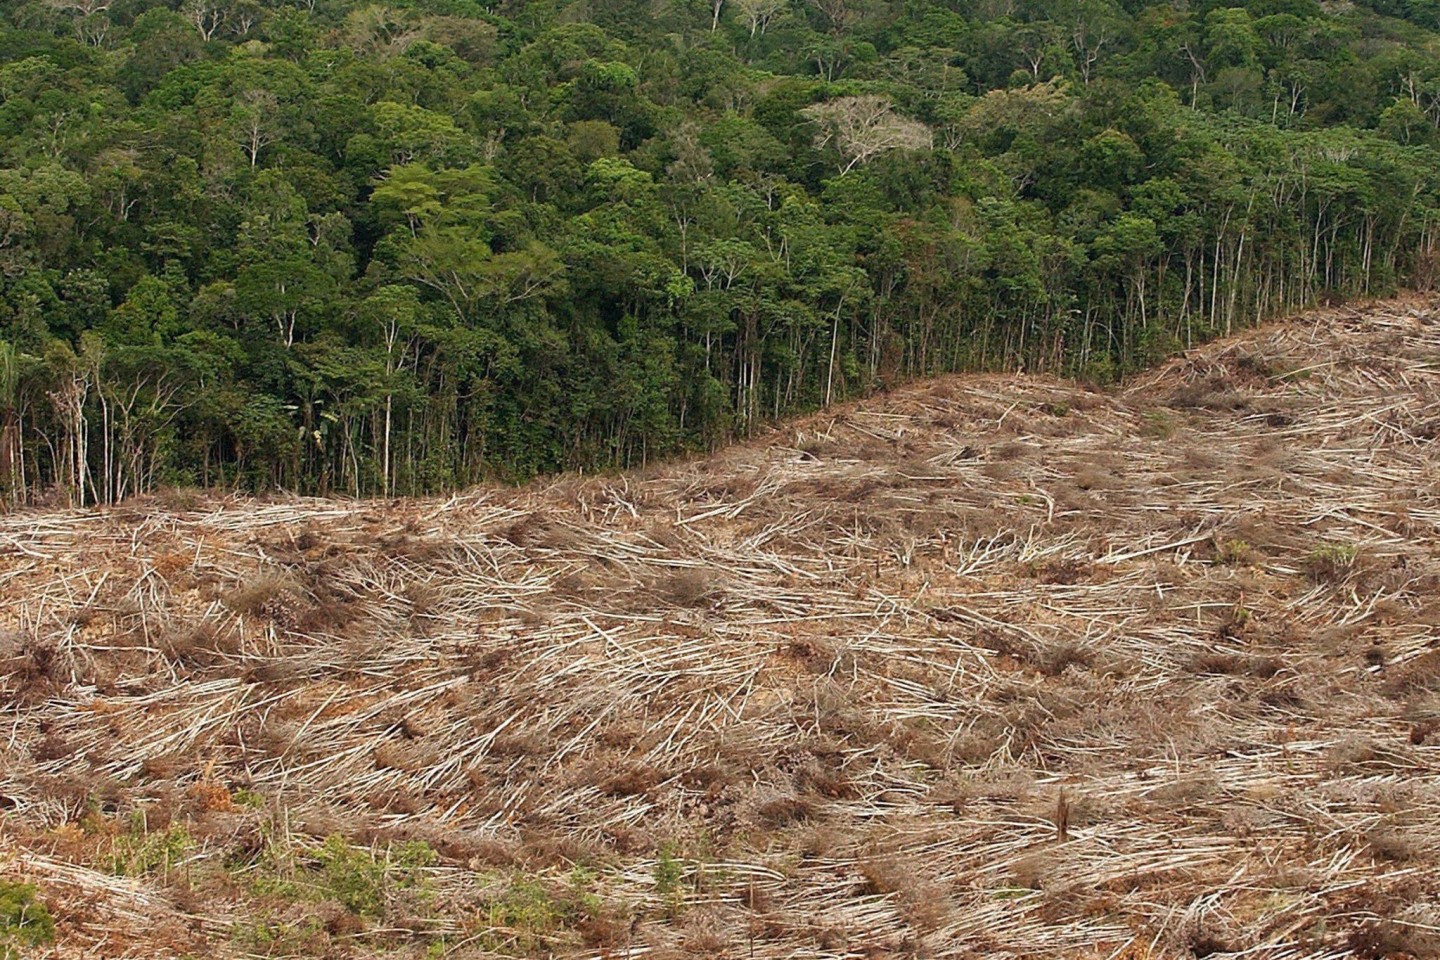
{"x":337,"y":245}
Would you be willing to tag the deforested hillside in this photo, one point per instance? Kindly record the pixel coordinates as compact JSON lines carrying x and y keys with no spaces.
{"x":992,"y":666}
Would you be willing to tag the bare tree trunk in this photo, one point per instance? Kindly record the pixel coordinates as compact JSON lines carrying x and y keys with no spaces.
{"x":834,"y":343}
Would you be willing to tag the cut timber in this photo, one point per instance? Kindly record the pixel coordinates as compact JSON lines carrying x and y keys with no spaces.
{"x":990,"y":666}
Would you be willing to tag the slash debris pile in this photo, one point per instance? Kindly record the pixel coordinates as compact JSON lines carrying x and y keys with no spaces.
{"x":987,"y":667}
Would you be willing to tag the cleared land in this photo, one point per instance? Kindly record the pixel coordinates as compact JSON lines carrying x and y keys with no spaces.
{"x":988,"y":667}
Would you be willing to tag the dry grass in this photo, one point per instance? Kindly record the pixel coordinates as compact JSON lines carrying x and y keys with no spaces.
{"x":987,"y":667}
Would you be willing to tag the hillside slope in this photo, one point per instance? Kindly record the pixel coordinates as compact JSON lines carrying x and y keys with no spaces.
{"x":988,"y":667}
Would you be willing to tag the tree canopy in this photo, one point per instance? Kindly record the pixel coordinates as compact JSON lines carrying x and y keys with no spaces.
{"x":344,"y":246}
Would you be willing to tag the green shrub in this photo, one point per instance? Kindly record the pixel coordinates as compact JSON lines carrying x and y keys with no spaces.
{"x":139,"y":852}
{"x":24,"y":920}
{"x":1234,"y":552}
{"x":1333,"y":561}
{"x":248,"y":799}
{"x":352,"y":876}
{"x":527,"y":913}
{"x":668,"y":871}
{"x":358,"y":878}
{"x":273,"y":936}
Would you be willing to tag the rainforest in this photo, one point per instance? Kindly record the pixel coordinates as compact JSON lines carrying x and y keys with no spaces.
{"x":356,"y":248}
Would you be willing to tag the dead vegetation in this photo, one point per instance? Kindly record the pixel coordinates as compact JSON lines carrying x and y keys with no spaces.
{"x":992,"y":667}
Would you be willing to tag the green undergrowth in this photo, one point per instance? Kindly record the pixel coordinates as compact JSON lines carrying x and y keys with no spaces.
{"x":25,"y":921}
